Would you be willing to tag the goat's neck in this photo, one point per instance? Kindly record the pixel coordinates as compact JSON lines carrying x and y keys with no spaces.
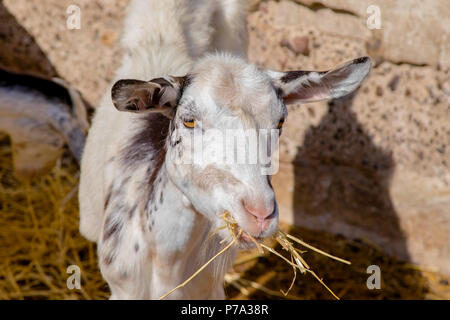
{"x":176,"y":225}
{"x":182,"y":240}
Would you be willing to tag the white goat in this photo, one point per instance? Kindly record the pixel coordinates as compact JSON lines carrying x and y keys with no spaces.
{"x":143,"y":199}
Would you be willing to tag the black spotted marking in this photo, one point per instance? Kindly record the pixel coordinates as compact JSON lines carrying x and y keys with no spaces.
{"x":38,"y":86}
{"x":161,"y":197}
{"x":132,"y":211}
{"x":132,"y":107}
{"x":155,"y":97}
{"x":112,"y":227}
{"x":151,"y":223}
{"x":162,"y":82}
{"x":269,"y":181}
{"x":293,"y":75}
{"x":185,"y":82}
{"x":108,"y":259}
{"x":147,"y":209}
{"x":361,"y":60}
{"x":108,"y":198}
{"x":136,"y":247}
{"x":126,"y":180}
{"x":178,"y":141}
{"x":171,"y":128}
{"x":280,"y":93}
{"x":143,"y":227}
{"x":148,"y":147}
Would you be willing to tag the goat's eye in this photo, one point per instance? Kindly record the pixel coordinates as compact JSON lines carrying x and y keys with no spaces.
{"x":280,"y":123}
{"x":189,"y":123}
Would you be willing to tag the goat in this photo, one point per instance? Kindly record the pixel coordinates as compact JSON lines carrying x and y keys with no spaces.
{"x":143,"y":198}
{"x":41,"y":115}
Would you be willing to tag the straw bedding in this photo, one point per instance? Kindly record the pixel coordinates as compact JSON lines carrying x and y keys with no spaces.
{"x":39,"y":239}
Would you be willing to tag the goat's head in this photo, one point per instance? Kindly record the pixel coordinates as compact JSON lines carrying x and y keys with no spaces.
{"x":223,"y":95}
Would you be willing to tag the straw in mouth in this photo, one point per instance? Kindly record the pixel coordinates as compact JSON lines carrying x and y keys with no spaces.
{"x":285,"y":241}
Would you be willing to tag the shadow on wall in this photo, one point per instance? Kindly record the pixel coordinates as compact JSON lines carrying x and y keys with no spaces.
{"x":342,"y":183}
{"x":19,"y":51}
{"x":341,"y":186}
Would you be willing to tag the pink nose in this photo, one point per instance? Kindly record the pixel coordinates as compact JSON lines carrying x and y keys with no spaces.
{"x":258,"y":210}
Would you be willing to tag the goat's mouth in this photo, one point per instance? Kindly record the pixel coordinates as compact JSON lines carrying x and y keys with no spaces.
{"x":248,"y":241}
{"x":242,"y":238}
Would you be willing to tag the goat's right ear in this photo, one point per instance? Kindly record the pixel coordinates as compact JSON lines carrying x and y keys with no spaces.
{"x":157,"y":95}
{"x":310,"y":86}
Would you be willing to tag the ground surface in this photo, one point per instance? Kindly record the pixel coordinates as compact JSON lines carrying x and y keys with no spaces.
{"x":39,"y":239}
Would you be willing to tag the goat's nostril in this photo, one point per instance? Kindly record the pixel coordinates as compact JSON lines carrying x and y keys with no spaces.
{"x":260,"y":212}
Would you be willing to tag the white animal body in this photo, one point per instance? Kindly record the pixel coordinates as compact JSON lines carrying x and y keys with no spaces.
{"x":150,"y":207}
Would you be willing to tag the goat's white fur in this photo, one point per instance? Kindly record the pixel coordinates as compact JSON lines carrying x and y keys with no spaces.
{"x":144,"y":252}
{"x":160,"y":38}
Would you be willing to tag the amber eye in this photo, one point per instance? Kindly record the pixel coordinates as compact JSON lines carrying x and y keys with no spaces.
{"x":189,"y":123}
{"x":280,"y":123}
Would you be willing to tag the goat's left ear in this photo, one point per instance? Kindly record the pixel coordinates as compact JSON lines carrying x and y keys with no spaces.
{"x":309,"y":86}
{"x":157,"y":95}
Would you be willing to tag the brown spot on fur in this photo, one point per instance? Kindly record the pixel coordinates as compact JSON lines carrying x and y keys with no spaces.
{"x":148,"y":147}
{"x":227,"y":91}
{"x":212,"y":176}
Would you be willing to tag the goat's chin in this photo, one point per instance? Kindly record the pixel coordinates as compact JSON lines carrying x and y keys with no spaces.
{"x":247,"y":240}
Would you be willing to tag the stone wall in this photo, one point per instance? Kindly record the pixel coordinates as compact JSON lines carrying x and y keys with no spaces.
{"x":372,"y":165}
{"x":375,"y":164}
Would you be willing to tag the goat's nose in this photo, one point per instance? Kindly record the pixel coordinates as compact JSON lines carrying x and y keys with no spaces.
{"x":259,"y":210}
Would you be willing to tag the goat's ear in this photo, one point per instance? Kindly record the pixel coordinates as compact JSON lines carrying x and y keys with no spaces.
{"x":309,"y":86}
{"x":157,"y":95}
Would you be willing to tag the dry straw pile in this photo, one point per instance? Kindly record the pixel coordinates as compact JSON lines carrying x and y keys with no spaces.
{"x":39,"y":235}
